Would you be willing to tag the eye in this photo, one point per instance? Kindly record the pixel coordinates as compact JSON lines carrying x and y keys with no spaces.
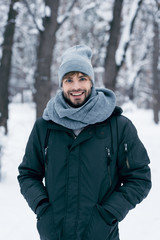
{"x":68,"y":80}
{"x":83,"y":79}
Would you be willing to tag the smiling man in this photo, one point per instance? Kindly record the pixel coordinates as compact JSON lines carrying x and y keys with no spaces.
{"x":94,"y":164}
{"x":76,"y":88}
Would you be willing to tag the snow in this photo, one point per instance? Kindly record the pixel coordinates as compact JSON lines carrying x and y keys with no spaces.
{"x":126,"y":33}
{"x":17,"y":6}
{"x":48,"y":11}
{"x":105,"y":12}
{"x":18,"y":222}
{"x":40,"y":24}
{"x":77,"y":12}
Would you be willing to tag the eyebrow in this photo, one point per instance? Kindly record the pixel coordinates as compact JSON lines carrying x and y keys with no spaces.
{"x":73,"y":75}
{"x":82,"y":76}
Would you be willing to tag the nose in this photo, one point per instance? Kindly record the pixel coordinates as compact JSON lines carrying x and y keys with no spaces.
{"x":76,"y":85}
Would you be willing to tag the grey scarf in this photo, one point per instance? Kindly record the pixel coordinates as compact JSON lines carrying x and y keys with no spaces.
{"x":98,"y":108}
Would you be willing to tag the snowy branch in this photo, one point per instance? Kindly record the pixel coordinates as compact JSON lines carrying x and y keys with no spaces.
{"x":141,"y":61}
{"x":158,"y":4}
{"x":89,"y":6}
{"x":125,"y":38}
{"x":17,"y":6}
{"x":47,"y":11}
{"x":156,"y":13}
{"x":38,"y":24}
{"x":62,"y":20}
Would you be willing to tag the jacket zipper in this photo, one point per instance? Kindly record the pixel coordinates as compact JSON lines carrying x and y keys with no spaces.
{"x":46,"y":159}
{"x":108,"y":165}
{"x":126,"y":155}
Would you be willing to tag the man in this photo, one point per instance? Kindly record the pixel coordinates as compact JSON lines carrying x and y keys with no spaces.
{"x":94,"y":165}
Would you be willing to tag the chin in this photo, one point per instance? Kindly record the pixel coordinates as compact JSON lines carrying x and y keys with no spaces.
{"x":76,"y":105}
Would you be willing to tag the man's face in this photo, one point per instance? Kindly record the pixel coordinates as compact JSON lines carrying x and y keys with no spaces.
{"x":76,"y":89}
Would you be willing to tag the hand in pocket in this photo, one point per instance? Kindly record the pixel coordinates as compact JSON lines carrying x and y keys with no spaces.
{"x":45,"y":225}
{"x":97,"y":228}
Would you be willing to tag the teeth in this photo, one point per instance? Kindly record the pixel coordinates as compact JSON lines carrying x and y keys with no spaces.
{"x":76,"y":94}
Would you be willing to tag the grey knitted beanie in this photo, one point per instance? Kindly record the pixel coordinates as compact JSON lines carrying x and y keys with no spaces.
{"x":77,"y":58}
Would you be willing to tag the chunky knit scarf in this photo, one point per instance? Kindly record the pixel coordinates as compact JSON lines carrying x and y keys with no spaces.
{"x":98,"y":108}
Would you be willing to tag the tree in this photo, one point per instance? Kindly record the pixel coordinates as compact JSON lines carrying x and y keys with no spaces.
{"x":110,"y":65}
{"x":155,"y":69}
{"x":5,"y":67}
{"x":118,"y":45}
{"x":47,"y":41}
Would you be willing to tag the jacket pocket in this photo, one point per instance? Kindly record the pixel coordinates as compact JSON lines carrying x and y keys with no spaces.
{"x":97,"y":228}
{"x":45,"y":225}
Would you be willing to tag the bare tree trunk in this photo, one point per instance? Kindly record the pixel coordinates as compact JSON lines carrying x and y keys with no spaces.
{"x":156,"y":73}
{"x":47,"y":41}
{"x":111,"y":69}
{"x":5,"y":66}
{"x":111,"y":66}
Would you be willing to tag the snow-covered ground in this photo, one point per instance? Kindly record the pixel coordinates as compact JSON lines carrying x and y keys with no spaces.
{"x":17,"y":221}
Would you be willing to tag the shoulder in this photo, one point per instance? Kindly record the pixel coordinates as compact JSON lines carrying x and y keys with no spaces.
{"x":117,"y":111}
{"x":124,"y":124}
{"x":40,"y":127}
{"x":40,"y":122}
{"x":121,"y":118}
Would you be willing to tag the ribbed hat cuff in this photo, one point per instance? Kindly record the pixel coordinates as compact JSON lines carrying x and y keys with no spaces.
{"x":78,"y":66}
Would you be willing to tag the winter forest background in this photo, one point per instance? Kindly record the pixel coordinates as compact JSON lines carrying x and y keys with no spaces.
{"x":125,"y":38}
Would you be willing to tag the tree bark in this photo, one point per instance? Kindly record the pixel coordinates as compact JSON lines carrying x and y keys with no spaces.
{"x":47,"y":39}
{"x":5,"y":67}
{"x":156,"y":73}
{"x":111,"y":69}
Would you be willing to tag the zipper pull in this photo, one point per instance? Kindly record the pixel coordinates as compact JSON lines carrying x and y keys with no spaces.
{"x":108,"y":165}
{"x":45,"y":155}
{"x":108,"y":156}
{"x":45,"y":151}
{"x":125,"y":148}
{"x":45,"y":159}
{"x":126,"y":153}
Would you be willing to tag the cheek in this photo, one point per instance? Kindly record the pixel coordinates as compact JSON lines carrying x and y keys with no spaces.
{"x":89,"y":87}
{"x":64,"y":89}
{"x":90,"y":84}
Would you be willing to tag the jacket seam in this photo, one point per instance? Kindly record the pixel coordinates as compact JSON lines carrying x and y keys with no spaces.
{"x":79,"y":180}
{"x":66,"y":192}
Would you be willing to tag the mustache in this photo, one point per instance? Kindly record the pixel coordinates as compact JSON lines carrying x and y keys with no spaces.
{"x":78,"y":90}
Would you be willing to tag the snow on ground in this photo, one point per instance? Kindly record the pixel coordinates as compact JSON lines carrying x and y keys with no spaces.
{"x":17,"y":221}
{"x":143,"y":222}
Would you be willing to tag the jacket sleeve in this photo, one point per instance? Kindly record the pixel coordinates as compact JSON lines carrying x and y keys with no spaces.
{"x":133,"y":170}
{"x":31,"y":171}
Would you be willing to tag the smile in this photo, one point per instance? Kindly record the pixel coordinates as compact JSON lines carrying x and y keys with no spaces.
{"x":76,"y":94}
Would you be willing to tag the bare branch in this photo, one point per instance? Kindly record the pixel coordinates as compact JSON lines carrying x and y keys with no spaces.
{"x":158,"y":4}
{"x":125,"y":41}
{"x":67,"y":14}
{"x":32,"y":15}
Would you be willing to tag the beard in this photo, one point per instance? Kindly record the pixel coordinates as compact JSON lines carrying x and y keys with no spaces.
{"x":77,"y":103}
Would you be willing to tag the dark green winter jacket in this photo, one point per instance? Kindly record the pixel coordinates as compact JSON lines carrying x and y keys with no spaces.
{"x":91,"y":181}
